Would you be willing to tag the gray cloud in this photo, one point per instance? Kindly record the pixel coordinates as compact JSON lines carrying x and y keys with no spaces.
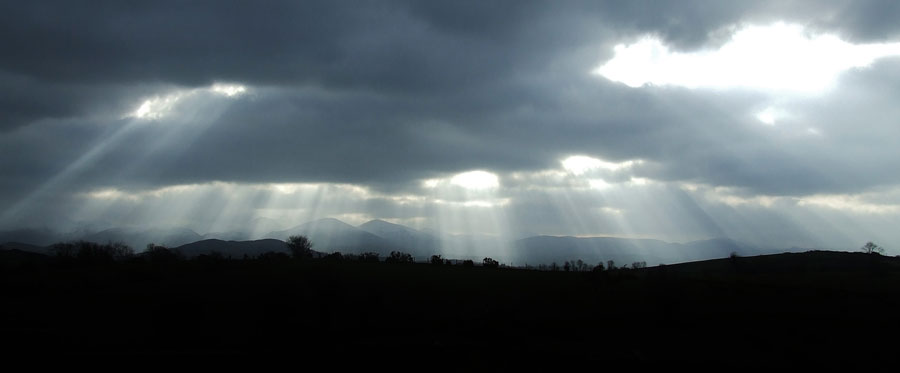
{"x":386,"y":94}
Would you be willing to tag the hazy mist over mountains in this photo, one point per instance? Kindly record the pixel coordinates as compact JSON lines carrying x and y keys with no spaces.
{"x":332,"y":235}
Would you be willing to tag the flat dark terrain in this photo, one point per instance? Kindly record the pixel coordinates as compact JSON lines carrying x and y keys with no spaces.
{"x":822,"y":306}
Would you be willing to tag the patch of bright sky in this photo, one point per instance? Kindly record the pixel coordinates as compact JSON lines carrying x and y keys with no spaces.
{"x":579,"y":164}
{"x":159,"y":106}
{"x":229,"y":90}
{"x":850,"y":203}
{"x":853,"y":203}
{"x":770,"y":115}
{"x":599,"y":184}
{"x":779,"y":57}
{"x":475,"y":202}
{"x":477,"y":180}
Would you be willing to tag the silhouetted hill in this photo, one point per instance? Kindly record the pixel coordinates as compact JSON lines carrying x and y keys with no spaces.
{"x":233,"y":249}
{"x":792,"y":264}
{"x":24,"y":247}
{"x":37,"y":237}
{"x":546,"y":249}
{"x":228,"y":236}
{"x":815,"y":306}
{"x":15,"y":258}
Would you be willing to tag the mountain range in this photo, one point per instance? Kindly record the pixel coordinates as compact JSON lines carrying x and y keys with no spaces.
{"x":330,"y":235}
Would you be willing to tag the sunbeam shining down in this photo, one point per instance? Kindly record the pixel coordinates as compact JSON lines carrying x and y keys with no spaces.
{"x":486,"y":183}
{"x":748,"y":133}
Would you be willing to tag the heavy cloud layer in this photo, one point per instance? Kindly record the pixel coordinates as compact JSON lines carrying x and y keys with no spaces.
{"x":385,"y":95}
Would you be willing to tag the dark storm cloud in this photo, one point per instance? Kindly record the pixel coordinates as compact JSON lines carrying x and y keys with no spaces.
{"x":387,"y":93}
{"x":381,"y":45}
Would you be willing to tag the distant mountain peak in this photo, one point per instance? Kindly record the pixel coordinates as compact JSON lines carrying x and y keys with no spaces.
{"x":379,"y":227}
{"x":327,"y":221}
{"x":379,"y":222}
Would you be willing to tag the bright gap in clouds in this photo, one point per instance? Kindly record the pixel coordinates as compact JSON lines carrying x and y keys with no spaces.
{"x":159,"y":106}
{"x":779,"y":57}
{"x":579,"y":164}
{"x":770,"y":115}
{"x":476,"y":180}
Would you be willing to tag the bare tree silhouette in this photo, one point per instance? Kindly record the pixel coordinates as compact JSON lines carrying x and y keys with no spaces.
{"x":872,"y":248}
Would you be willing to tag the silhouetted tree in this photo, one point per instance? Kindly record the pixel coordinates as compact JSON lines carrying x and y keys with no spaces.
{"x":733,"y":259}
{"x":872,"y":248}
{"x":610,"y":265}
{"x":490,"y":263}
{"x":437,"y":260}
{"x":369,"y":257}
{"x":93,"y":253}
{"x":598,"y":267}
{"x":468,"y":263}
{"x":554,"y":266}
{"x":399,"y":257}
{"x":579,"y":265}
{"x":301,"y":247}
{"x":64,"y":250}
{"x":567,"y":267}
{"x":160,"y":254}
{"x":637,"y":265}
{"x":89,"y":252}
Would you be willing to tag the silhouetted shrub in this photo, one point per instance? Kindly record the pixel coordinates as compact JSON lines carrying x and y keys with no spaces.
{"x":468,"y":263}
{"x":566,"y":266}
{"x":598,"y":267}
{"x":610,"y":265}
{"x":437,"y":260}
{"x":212,"y":257}
{"x":637,"y":265}
{"x":490,"y":263}
{"x":333,"y":257}
{"x":273,"y":256}
{"x":369,"y":257}
{"x":300,"y":246}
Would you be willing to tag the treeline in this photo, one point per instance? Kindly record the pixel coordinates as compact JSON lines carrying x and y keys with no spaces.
{"x":86,"y":252}
{"x":299,"y":248}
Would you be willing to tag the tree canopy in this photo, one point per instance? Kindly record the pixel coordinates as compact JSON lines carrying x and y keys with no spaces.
{"x":301,"y":246}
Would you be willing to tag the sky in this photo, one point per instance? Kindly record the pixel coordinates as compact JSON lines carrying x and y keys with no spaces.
{"x":774,"y":123}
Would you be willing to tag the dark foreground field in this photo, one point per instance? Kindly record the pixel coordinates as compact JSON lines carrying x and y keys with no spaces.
{"x":820,"y":306}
